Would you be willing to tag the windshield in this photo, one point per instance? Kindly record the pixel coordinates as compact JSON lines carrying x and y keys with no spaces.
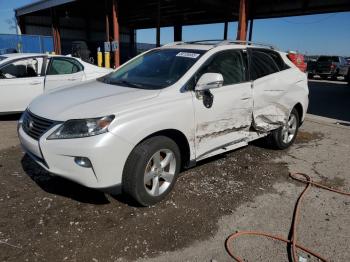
{"x":154,"y":70}
{"x":328,"y":59}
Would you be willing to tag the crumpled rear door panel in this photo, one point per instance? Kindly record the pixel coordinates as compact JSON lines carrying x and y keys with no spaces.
{"x":274,"y":97}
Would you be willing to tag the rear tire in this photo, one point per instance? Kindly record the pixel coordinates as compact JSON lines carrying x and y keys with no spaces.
{"x":284,"y":137}
{"x":151,"y":170}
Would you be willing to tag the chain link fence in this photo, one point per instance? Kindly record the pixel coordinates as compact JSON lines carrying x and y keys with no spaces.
{"x":10,"y":43}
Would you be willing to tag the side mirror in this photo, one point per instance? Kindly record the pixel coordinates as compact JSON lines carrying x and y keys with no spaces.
{"x":209,"y":81}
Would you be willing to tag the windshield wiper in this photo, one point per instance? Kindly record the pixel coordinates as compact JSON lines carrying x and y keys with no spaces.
{"x":127,"y":83}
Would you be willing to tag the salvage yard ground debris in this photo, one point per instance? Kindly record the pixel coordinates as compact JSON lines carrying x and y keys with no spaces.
{"x":47,"y":218}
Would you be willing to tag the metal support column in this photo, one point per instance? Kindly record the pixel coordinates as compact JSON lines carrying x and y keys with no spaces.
{"x":251,"y":24}
{"x":20,"y":27}
{"x":132,"y":44}
{"x":177,"y":32}
{"x":56,"y":32}
{"x":225,"y":30}
{"x":107,"y":21}
{"x":116,"y":34}
{"x":158,"y":25}
{"x":242,"y":20}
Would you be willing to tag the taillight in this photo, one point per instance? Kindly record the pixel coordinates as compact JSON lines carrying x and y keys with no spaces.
{"x":298,"y":60}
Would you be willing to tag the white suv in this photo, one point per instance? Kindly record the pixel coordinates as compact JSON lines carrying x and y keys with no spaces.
{"x":136,"y":128}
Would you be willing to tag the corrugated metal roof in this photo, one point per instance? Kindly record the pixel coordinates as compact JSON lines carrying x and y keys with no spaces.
{"x":40,"y":5}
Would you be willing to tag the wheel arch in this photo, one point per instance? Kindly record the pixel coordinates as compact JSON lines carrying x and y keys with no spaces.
{"x":180,"y":139}
{"x":299,"y":108}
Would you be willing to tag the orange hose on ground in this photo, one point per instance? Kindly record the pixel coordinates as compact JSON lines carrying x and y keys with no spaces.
{"x":293,"y":239}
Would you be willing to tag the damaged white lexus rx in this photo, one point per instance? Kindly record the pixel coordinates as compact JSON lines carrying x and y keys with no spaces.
{"x":133,"y":130}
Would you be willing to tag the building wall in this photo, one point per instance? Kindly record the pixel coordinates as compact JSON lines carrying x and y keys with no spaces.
{"x":77,"y":29}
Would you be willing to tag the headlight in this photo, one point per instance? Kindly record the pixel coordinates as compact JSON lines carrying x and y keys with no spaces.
{"x":78,"y":128}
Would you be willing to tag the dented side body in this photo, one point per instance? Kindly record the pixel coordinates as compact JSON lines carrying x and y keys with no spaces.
{"x":276,"y":95}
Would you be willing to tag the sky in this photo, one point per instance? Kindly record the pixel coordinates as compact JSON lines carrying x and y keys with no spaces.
{"x":312,"y":34}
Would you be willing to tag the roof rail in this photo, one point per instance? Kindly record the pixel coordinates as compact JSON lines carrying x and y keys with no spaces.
{"x":205,"y":41}
{"x":244,"y":42}
{"x":220,"y":42}
{"x":174,"y":43}
{"x":199,"y":42}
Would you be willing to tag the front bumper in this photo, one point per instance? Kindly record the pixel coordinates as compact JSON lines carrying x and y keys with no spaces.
{"x":106,"y":152}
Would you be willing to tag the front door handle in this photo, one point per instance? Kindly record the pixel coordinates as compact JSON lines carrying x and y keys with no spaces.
{"x":35,"y":83}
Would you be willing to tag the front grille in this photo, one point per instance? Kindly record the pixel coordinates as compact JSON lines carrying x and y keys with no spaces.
{"x":35,"y":126}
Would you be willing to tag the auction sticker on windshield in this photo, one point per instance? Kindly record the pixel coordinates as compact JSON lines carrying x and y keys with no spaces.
{"x":188,"y":55}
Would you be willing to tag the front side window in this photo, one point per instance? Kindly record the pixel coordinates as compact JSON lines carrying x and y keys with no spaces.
{"x":228,"y":63}
{"x":29,"y":67}
{"x":262,"y":64}
{"x":63,"y":66}
{"x":154,"y":70}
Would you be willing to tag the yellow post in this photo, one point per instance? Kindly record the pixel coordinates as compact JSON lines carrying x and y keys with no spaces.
{"x":107,"y":59}
{"x":99,"y":57}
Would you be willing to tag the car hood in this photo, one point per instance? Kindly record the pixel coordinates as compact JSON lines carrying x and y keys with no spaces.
{"x":87,"y":100}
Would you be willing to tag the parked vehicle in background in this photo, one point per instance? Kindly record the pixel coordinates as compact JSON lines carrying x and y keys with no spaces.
{"x":330,"y":66}
{"x":25,"y":76}
{"x":135,"y":128}
{"x":298,"y":60}
{"x":310,"y":64}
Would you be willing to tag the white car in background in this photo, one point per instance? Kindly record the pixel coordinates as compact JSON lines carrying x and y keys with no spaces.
{"x":25,"y":76}
{"x":135,"y":128}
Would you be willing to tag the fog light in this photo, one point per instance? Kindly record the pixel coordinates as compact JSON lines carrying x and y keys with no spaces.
{"x":83,"y":161}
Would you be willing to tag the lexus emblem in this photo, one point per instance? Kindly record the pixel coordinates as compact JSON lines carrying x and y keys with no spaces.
{"x":31,"y":124}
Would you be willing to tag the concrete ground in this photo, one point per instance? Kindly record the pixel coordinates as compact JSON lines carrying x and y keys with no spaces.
{"x":324,"y":225}
{"x":46,"y":218}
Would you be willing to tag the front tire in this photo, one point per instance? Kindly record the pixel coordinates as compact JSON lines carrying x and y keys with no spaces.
{"x":151,"y":170}
{"x":284,"y":137}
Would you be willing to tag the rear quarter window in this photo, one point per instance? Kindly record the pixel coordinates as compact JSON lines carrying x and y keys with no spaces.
{"x":278,"y":59}
{"x":261,"y":64}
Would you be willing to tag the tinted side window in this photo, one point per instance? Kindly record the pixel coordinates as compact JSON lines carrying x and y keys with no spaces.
{"x":28,"y":67}
{"x":278,"y":59}
{"x":228,"y":63}
{"x":63,"y":67}
{"x":262,"y":64}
